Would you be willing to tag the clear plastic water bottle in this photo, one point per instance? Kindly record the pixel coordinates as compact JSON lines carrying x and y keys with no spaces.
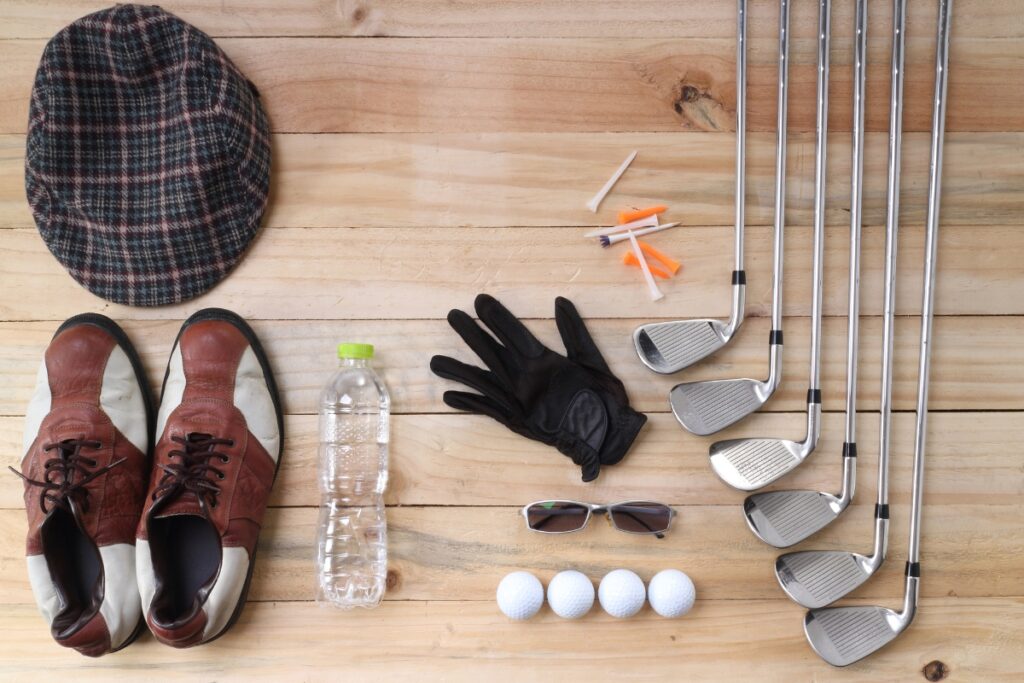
{"x":352,"y":553}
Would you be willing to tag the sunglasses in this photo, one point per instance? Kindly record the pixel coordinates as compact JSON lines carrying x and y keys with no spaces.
{"x":566,"y":516}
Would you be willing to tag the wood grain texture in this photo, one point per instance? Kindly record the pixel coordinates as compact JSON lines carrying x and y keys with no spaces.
{"x":495,"y":180}
{"x":978,"y":362}
{"x":409,"y":273}
{"x":427,"y":150}
{"x":373,"y":85}
{"x":456,"y":553}
{"x":472,"y":461}
{"x":469,"y":641}
{"x":506,"y":18}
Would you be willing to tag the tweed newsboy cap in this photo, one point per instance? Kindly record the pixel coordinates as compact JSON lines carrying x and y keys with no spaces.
{"x":148,"y":156}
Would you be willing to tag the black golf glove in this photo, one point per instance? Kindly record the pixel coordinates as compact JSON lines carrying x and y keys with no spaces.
{"x":575,"y":404}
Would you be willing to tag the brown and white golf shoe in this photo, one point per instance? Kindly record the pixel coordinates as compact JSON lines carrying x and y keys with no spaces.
{"x":85,"y":468}
{"x":218,"y":444}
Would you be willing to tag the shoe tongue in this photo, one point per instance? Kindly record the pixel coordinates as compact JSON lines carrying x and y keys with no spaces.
{"x":184,"y":505}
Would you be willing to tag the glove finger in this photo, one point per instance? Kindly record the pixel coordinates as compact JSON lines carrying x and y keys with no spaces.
{"x":507,"y":328}
{"x":481,"y":343}
{"x":470,"y":375}
{"x":474,"y":403}
{"x":579,"y":345}
{"x":590,"y":468}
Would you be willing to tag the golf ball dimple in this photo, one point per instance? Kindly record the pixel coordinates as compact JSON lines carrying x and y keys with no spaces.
{"x":621,"y":593}
{"x":671,"y":593}
{"x":570,"y":594}
{"x":520,"y":595}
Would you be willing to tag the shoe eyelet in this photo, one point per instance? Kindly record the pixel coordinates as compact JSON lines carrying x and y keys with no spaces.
{"x":220,"y":475}
{"x":225,"y":459}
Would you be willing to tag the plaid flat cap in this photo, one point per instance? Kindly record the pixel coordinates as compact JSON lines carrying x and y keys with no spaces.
{"x":148,"y":156}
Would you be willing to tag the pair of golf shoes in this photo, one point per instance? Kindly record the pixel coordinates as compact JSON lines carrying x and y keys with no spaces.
{"x":139,"y":516}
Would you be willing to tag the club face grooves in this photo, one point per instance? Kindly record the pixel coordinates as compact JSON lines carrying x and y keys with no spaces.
{"x":817,"y":578}
{"x":704,"y":408}
{"x":844,"y":635}
{"x":784,"y":518}
{"x":672,"y":346}
{"x":749,"y":464}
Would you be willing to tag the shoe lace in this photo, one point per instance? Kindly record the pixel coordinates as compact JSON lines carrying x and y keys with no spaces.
{"x":189,"y":473}
{"x":61,"y":483}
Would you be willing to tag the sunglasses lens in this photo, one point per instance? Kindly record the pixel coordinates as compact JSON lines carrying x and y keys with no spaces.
{"x":555,"y":516}
{"x":641,"y":517}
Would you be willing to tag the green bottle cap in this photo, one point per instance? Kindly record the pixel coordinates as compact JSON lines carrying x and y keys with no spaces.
{"x":355,"y":350}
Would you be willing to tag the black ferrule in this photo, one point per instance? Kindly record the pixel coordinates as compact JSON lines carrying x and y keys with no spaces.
{"x":881,"y":511}
{"x":775,"y":338}
{"x":914,"y":569}
{"x":814,"y":395}
{"x":739,"y":277}
{"x":849,"y":450}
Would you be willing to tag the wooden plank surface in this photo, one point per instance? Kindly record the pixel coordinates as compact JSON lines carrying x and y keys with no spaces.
{"x":374,"y":85}
{"x":420,"y":274}
{"x":456,"y":180}
{"x":507,"y":18}
{"x":446,"y":553}
{"x":427,"y":150}
{"x":978,"y":362}
{"x":467,"y":641}
{"x":472,"y":461}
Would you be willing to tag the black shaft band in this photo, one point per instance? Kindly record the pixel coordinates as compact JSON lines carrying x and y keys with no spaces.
{"x":775,"y":338}
{"x":814,"y":395}
{"x":739,"y":277}
{"x":881,"y":511}
{"x":914,"y":569}
{"x":849,"y":450}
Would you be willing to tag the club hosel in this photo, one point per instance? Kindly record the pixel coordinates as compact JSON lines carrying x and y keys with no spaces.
{"x":739,"y":300}
{"x":813,"y":415}
{"x":774,"y":359}
{"x":911,"y":595}
{"x":881,"y":534}
{"x":849,"y":473}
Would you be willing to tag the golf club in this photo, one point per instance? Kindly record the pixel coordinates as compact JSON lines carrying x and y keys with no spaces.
{"x":671,"y":346}
{"x":784,"y":518}
{"x":751,"y":463}
{"x":844,"y":635}
{"x":707,"y":407}
{"x":815,"y":578}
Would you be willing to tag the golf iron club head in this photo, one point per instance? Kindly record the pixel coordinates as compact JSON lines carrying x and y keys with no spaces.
{"x":753,"y":463}
{"x":704,"y":408}
{"x":817,"y":578}
{"x":784,"y":518}
{"x":669,"y":347}
{"x":844,"y":635}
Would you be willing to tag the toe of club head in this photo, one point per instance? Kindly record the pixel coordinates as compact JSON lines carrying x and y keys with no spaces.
{"x":753,"y":463}
{"x":784,"y":518}
{"x":672,"y":346}
{"x":844,"y":635}
{"x":817,"y":578}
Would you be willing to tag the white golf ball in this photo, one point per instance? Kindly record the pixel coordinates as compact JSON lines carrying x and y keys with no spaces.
{"x":671,"y":593}
{"x":520,"y":595}
{"x":621,"y":593}
{"x":570,"y":594}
